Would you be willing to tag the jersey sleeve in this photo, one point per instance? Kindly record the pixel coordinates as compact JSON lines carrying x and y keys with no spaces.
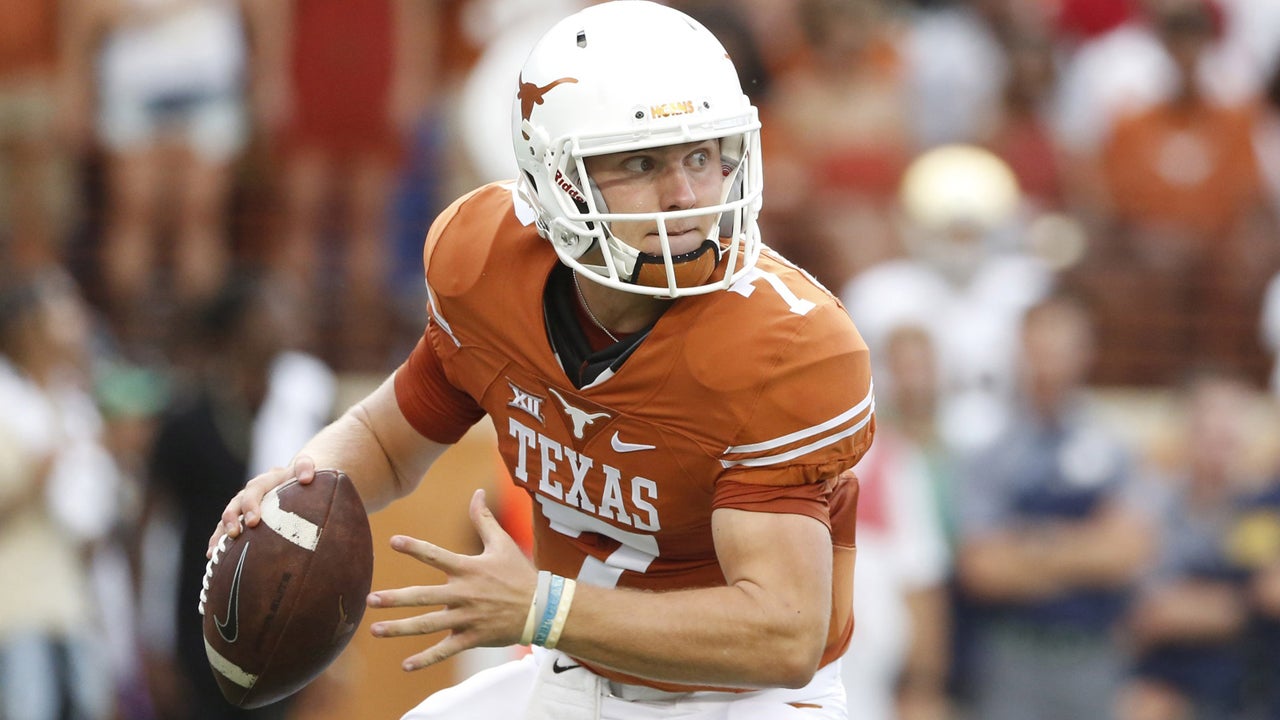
{"x":811,"y":499}
{"x":812,"y":419}
{"x":429,"y":401}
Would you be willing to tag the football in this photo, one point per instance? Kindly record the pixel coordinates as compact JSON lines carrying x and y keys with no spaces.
{"x":283,"y":599}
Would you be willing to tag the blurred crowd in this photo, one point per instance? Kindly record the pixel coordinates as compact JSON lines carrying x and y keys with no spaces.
{"x":1055,"y":222}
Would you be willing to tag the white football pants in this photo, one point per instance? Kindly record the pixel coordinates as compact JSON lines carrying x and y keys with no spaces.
{"x":531,"y":688}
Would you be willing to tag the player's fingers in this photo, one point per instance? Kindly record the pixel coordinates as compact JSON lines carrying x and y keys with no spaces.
{"x":423,"y":624}
{"x":304,"y":469}
{"x":231,"y":522}
{"x":250,"y":497}
{"x":429,"y":553}
{"x":225,"y":523}
{"x":420,"y":596}
{"x":245,"y":509}
{"x":491,"y":532}
{"x":229,"y":525}
{"x":214,"y":539}
{"x":449,"y":646}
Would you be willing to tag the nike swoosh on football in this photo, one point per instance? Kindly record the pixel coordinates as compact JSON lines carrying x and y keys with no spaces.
{"x":625,"y":447}
{"x":557,"y":668}
{"x":233,"y":603}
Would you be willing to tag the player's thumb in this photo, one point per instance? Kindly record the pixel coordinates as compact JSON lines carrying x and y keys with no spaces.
{"x":490,"y":530}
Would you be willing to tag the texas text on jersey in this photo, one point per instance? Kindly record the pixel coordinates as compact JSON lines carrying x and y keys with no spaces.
{"x":725,"y":402}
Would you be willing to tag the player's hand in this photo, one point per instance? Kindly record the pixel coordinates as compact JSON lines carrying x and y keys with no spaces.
{"x":484,"y":601}
{"x":246,"y":506}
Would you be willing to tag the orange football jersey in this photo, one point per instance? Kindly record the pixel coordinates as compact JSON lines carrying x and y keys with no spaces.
{"x":758,"y":398}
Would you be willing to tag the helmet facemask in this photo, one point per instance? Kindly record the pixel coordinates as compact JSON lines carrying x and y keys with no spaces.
{"x":580,"y":225}
{"x":606,"y":103}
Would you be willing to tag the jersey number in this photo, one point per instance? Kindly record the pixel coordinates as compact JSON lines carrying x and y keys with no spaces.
{"x":635,"y":552}
{"x":746,"y":285}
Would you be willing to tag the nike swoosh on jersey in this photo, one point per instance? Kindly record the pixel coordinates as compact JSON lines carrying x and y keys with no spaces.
{"x":625,"y":447}
{"x":233,"y":603}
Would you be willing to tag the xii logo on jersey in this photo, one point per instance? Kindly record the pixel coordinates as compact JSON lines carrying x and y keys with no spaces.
{"x":524,"y":400}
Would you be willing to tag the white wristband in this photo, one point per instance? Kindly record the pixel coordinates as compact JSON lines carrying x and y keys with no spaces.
{"x":538,"y":602}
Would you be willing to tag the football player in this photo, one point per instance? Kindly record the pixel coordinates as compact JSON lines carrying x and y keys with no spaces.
{"x":683,"y":405}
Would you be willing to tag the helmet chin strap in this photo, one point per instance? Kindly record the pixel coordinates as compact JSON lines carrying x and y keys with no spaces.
{"x":649,"y":270}
{"x":691,"y":268}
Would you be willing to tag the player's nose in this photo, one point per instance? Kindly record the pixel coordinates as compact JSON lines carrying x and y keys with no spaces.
{"x":676,"y":185}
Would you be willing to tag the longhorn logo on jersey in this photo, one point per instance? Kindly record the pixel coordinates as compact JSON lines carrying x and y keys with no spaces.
{"x":579,"y":417}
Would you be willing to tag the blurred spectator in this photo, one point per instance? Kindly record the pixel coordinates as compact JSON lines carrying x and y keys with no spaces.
{"x":504,"y":31}
{"x":1125,"y":69}
{"x":1080,"y":20}
{"x":967,"y":280}
{"x":130,"y":400}
{"x":1187,"y":622}
{"x":898,"y":666}
{"x":1119,"y":68}
{"x":356,"y":82}
{"x":249,"y":400}
{"x":1186,"y":161}
{"x":1267,"y":139}
{"x":839,"y":138}
{"x":736,"y":30}
{"x":58,"y":492}
{"x":1267,"y":145}
{"x":1257,"y":541}
{"x":956,"y":67}
{"x":1182,"y":267}
{"x":1021,"y":128}
{"x":164,"y":83}
{"x":910,"y":377}
{"x":1253,"y":27}
{"x":36,"y":192}
{"x":1050,"y":543}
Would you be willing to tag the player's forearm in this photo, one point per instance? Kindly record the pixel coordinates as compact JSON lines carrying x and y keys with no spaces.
{"x":732,"y":636}
{"x":766,"y":627}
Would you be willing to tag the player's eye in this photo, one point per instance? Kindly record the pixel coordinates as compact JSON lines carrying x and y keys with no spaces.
{"x":639,"y":163}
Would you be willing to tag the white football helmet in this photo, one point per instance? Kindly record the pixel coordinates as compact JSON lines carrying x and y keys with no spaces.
{"x":629,"y":75}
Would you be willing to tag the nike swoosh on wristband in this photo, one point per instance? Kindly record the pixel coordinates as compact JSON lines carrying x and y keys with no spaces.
{"x":557,"y":668}
{"x":233,"y":603}
{"x":626,"y":447}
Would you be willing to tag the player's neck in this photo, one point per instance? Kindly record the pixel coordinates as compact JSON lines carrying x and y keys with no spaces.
{"x":620,"y":313}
